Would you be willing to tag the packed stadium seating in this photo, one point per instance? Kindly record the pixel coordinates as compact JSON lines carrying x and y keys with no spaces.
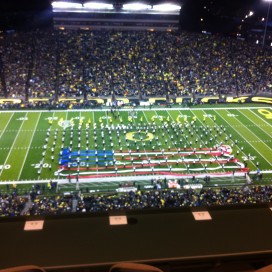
{"x":39,"y":204}
{"x":67,"y":63}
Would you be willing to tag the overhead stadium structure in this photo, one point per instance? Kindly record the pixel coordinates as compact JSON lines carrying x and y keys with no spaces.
{"x":163,"y":16}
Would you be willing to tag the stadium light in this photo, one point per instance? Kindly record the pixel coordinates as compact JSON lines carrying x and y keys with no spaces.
{"x":66,"y":5}
{"x":251,"y":13}
{"x":166,"y":7}
{"x":96,"y":5}
{"x":136,"y":6}
{"x":267,"y":17}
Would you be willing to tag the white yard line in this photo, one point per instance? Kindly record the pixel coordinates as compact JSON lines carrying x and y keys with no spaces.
{"x":216,"y":139}
{"x":142,"y":146}
{"x":232,"y":138}
{"x":161,"y":128}
{"x":13,"y":144}
{"x":180,"y":147}
{"x":256,"y":125}
{"x":242,"y":151}
{"x":29,"y":145}
{"x":261,"y":118}
{"x":6,"y":125}
{"x":47,"y":144}
{"x":252,"y":133}
{"x":243,"y":137}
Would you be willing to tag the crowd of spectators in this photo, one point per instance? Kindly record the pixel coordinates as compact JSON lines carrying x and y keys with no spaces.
{"x":38,"y":204}
{"x":12,"y":204}
{"x":74,"y":63}
{"x":168,"y":198}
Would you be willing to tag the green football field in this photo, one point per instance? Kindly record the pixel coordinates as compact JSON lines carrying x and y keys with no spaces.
{"x":88,"y":144}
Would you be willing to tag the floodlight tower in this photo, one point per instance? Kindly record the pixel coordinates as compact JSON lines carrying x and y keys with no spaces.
{"x":267,"y":17}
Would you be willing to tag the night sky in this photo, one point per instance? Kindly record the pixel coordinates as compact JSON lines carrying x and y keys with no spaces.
{"x":212,"y":15}
{"x":24,"y":5}
{"x":222,"y":15}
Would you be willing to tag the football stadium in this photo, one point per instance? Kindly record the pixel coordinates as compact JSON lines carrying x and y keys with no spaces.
{"x":115,"y":109}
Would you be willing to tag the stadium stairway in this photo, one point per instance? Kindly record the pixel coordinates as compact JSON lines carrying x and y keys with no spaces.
{"x":74,"y":205}
{"x":27,"y":206}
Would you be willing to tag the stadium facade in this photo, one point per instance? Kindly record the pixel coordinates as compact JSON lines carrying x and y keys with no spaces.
{"x":126,"y":16}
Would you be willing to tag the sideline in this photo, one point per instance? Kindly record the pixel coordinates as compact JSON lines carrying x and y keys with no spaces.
{"x":135,"y":178}
{"x":142,"y":109}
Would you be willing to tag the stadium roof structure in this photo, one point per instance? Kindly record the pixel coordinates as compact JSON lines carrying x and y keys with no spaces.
{"x":126,"y":15}
{"x":143,"y":7}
